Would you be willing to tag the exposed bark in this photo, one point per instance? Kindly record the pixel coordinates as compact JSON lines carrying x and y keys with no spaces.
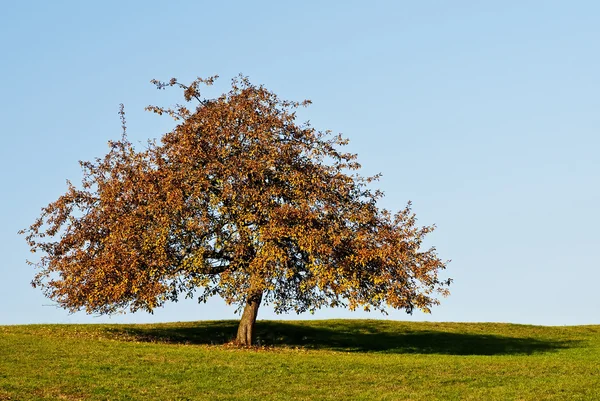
{"x":245,"y":334}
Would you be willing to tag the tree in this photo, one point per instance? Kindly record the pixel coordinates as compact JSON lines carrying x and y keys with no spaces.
{"x":240,"y":201}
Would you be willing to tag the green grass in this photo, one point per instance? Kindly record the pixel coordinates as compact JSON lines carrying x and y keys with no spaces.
{"x":320,"y":360}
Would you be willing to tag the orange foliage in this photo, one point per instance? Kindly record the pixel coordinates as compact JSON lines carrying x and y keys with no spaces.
{"x":237,"y":200}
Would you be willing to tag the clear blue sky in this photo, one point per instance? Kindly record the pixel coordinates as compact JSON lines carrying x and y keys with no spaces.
{"x":485,"y":114}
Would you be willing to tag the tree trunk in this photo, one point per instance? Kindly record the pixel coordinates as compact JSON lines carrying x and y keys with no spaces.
{"x":245,"y":334}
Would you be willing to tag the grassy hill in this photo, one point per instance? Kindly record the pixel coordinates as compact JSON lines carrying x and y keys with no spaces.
{"x":320,"y":360}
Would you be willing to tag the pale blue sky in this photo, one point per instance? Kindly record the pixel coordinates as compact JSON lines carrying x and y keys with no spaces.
{"x":485,"y":114}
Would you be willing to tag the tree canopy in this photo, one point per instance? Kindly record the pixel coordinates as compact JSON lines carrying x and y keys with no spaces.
{"x":241,"y":201}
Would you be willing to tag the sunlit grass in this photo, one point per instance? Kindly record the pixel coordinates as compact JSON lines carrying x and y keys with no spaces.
{"x":321,"y":360}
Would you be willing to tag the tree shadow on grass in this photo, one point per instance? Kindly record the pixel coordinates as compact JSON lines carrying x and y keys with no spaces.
{"x":347,"y":336}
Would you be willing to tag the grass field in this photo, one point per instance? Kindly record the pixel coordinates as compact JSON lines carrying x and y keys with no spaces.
{"x":320,"y":360}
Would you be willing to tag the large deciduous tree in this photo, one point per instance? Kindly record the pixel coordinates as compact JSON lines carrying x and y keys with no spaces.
{"x":238,"y":200}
